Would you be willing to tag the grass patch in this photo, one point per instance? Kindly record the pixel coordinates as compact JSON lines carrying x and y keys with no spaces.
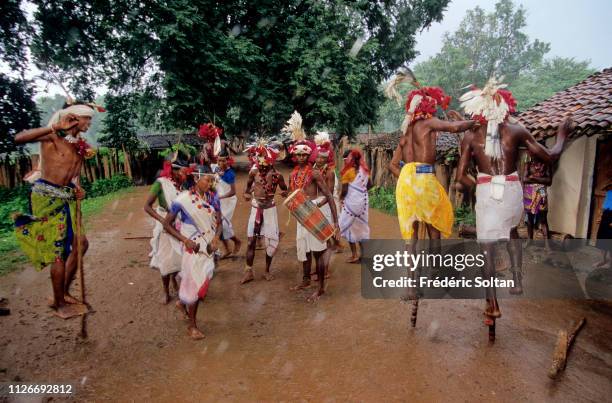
{"x":12,"y":258}
{"x":383,"y":199}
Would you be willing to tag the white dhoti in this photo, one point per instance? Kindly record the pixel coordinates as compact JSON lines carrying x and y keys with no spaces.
{"x":267,"y":221}
{"x":499,"y":206}
{"x":353,"y":221}
{"x":228,"y":205}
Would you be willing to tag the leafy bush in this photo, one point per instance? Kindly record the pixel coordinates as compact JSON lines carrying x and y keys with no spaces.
{"x":465,"y":215}
{"x":102,"y":187}
{"x":383,"y":199}
{"x":11,"y":201}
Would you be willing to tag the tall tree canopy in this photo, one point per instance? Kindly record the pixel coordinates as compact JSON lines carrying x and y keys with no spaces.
{"x":487,"y":44}
{"x":17,"y":108}
{"x":244,"y":64}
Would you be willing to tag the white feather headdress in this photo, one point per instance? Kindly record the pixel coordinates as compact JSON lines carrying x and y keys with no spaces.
{"x":488,"y":103}
{"x":294,"y":127}
{"x":321,"y":138}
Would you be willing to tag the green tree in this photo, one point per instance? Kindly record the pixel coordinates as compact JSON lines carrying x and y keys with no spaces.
{"x":17,"y":110}
{"x":546,"y":79}
{"x":485,"y":44}
{"x":119,"y":126}
{"x":244,"y":64}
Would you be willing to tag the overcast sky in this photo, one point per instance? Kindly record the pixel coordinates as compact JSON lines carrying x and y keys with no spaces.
{"x":578,"y":29}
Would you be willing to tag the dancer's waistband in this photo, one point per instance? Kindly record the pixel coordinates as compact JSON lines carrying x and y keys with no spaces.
{"x":425,"y":169}
{"x":486,"y":178}
{"x":46,"y":188}
{"x":255,"y":203}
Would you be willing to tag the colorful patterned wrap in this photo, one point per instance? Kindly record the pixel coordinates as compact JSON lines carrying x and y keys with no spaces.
{"x":46,"y":235}
{"x":309,"y":215}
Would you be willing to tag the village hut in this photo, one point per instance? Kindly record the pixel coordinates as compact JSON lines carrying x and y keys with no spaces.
{"x":585,"y":167}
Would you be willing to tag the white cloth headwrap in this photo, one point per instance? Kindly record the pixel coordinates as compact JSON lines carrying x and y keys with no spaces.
{"x":302,"y":149}
{"x":483,"y":102}
{"x":79,"y":110}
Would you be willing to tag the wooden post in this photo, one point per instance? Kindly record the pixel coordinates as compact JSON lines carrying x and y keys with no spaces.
{"x":106,"y":167}
{"x":126,"y":162}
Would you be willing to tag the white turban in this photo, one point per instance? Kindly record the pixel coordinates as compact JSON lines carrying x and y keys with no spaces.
{"x":301,"y":149}
{"x":79,"y":110}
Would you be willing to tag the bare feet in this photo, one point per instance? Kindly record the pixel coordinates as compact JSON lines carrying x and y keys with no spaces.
{"x":165,"y":299}
{"x":195,"y":333}
{"x":248,"y":276}
{"x":353,"y":259}
{"x":237,"y":245}
{"x":268,"y":276}
{"x":303,"y":285}
{"x":316,"y":295}
{"x":70,"y":310}
{"x":179,"y":305}
{"x":68,"y":300}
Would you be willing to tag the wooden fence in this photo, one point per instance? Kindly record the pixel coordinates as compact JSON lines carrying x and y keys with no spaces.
{"x":140,"y":166}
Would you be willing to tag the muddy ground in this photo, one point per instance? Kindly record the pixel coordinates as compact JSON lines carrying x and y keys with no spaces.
{"x":264,"y":342}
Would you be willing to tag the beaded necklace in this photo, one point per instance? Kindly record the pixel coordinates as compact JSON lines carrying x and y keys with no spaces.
{"x":301,"y":177}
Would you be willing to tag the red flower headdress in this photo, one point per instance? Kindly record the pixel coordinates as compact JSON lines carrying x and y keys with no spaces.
{"x":260,"y":154}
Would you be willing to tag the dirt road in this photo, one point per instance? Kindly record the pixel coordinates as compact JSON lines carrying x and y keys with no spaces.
{"x":265,"y":342}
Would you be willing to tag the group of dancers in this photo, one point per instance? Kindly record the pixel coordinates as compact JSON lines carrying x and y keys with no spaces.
{"x":193,"y":221}
{"x":193,"y":206}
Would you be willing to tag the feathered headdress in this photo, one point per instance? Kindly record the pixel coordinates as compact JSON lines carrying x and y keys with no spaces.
{"x":420,"y":103}
{"x":324,"y":146}
{"x":294,"y":127}
{"x":491,"y":105}
{"x":261,"y":153}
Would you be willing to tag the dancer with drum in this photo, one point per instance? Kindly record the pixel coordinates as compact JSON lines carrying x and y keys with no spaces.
{"x":263,"y":221}
{"x":304,"y":179}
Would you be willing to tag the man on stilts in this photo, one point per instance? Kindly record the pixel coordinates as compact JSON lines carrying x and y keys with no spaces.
{"x":47,"y":236}
{"x":494,"y":146}
{"x":420,"y":196}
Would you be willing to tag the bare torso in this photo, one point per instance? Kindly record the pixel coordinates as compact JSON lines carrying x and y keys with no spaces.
{"x":60,"y":162}
{"x":512,"y":136}
{"x":328,"y":176}
{"x":264,"y":186}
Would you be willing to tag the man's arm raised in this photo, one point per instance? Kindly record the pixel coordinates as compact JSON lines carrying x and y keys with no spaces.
{"x":66,"y":122}
{"x":450,"y":126}
{"x":548,"y":156}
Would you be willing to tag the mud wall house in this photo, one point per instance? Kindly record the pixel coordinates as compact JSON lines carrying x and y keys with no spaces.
{"x":576,"y":195}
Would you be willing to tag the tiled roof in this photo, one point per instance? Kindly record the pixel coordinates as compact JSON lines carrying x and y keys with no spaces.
{"x":162,"y":141}
{"x":589,"y":102}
